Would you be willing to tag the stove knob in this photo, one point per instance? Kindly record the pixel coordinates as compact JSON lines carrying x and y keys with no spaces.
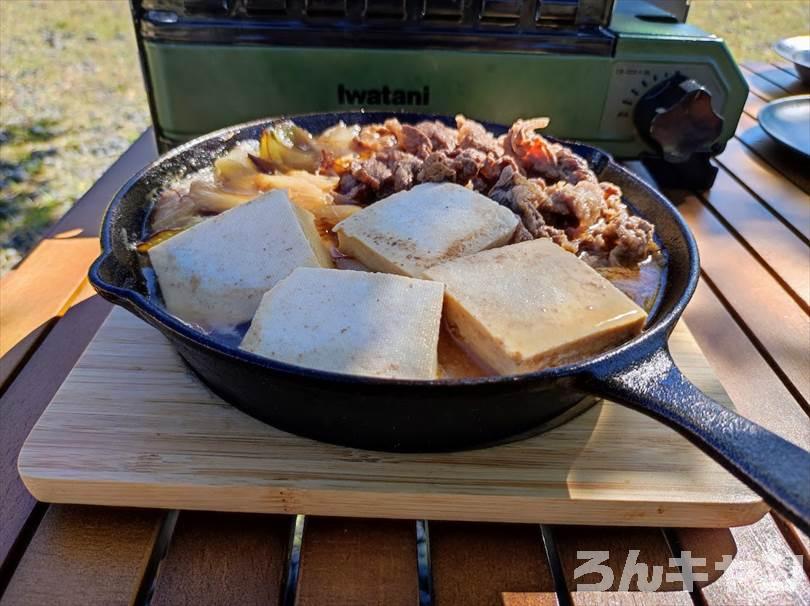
{"x":676,"y":117}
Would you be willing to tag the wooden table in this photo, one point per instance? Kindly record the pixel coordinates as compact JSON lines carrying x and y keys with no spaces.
{"x":750,"y":316}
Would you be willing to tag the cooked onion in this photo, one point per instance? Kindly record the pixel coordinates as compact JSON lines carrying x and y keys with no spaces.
{"x":333,"y":214}
{"x":323,"y":182}
{"x":211,"y":199}
{"x":235,"y":176}
{"x":173,"y":211}
{"x":339,"y":139}
{"x":289,"y":147}
{"x":303,"y":191}
{"x":156,"y":238}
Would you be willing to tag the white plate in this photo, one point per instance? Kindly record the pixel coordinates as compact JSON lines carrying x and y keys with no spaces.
{"x":797,"y":51}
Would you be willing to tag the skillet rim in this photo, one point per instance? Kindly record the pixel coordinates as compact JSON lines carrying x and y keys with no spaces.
{"x":140,"y":305}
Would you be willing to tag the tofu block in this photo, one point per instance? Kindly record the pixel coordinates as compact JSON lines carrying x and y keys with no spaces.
{"x":533,"y":305}
{"x":351,"y":322}
{"x":434,"y":222}
{"x":215,"y":273}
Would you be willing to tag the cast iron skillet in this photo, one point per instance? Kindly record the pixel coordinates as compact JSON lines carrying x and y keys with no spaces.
{"x":398,"y":415}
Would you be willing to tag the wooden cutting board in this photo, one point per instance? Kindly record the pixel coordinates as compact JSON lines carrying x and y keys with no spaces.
{"x":132,"y":426}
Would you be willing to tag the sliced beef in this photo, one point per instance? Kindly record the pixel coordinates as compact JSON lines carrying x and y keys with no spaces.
{"x":546,"y":184}
{"x":581,"y":202}
{"x":372,"y":172}
{"x":493,"y":167}
{"x":625,"y":241}
{"x":472,"y":135}
{"x":414,"y":141}
{"x":535,"y":154}
{"x":633,"y":241}
{"x":349,"y":188}
{"x":521,"y":234}
{"x":376,"y":137}
{"x":530,"y":150}
{"x":437,"y":168}
{"x":572,"y":167}
{"x":467,"y":163}
{"x":524,"y":198}
{"x":404,"y":167}
{"x":613,"y":205}
{"x":442,"y":138}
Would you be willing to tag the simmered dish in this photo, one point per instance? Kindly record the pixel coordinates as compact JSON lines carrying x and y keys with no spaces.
{"x":406,"y":251}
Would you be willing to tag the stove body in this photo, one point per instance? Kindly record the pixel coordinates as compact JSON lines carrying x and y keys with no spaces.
{"x":630,"y":77}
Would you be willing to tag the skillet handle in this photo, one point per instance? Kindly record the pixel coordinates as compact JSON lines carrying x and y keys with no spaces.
{"x":772,"y":467}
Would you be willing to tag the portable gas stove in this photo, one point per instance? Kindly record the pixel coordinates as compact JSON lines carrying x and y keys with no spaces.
{"x":633,"y":78}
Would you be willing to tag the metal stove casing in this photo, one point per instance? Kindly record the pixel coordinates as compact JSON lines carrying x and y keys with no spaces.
{"x":589,"y":65}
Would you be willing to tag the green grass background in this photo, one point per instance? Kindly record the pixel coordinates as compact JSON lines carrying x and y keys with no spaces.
{"x":71,"y":95}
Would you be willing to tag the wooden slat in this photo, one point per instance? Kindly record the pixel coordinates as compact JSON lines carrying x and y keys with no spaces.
{"x":54,"y":270}
{"x":617,"y":542}
{"x":790,"y":202}
{"x":790,"y":83}
{"x":528,"y":599}
{"x":759,"y":395}
{"x":50,"y":279}
{"x":26,"y":398}
{"x":356,"y":562}
{"x":763,"y":569}
{"x":36,"y":293}
{"x":753,"y":105}
{"x":629,"y":598}
{"x":768,"y":311}
{"x":787,"y":66}
{"x":786,"y":162}
{"x":778,"y":247}
{"x":753,"y":386}
{"x":219,"y":558}
{"x":762,"y":87}
{"x":474,"y":564}
{"x":85,"y":555}
{"x":799,"y":542}
{"x":85,"y":216}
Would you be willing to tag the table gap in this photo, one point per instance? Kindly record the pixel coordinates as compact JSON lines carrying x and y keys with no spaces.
{"x":777,"y":213}
{"x":292,"y":565}
{"x":552,"y":552}
{"x":617,"y":543}
{"x":770,"y":72}
{"x":753,"y":251}
{"x":160,"y":547}
{"x":762,"y":87}
{"x":424,"y":570}
{"x":676,"y":550}
{"x":21,"y":543}
{"x":763,"y":351}
{"x":787,"y":67}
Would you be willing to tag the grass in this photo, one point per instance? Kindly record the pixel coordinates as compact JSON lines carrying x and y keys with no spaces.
{"x":750,"y":27}
{"x":72,"y":99}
